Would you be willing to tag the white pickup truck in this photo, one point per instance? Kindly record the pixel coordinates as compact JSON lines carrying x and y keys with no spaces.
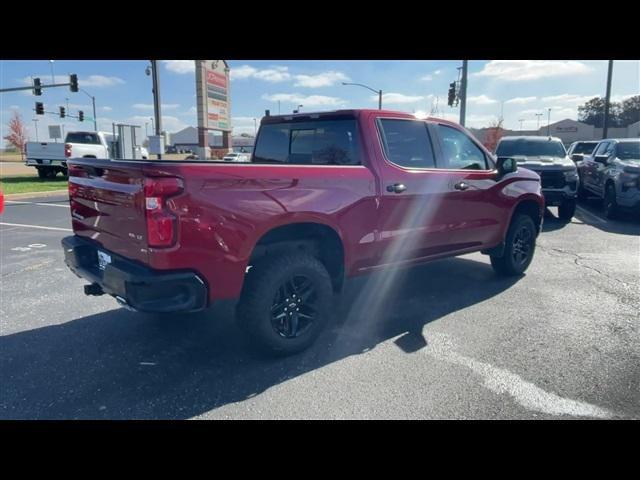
{"x":51,"y":158}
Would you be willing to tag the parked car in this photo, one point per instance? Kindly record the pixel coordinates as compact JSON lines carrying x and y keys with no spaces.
{"x":612,"y":173}
{"x":547,"y":157}
{"x":51,"y":158}
{"x":577,"y":150}
{"x":357,"y":191}
{"x":236,"y":157}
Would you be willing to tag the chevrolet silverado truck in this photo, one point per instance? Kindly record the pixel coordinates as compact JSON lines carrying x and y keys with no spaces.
{"x":326,"y":196}
{"x":612,"y":173}
{"x":51,"y":158}
{"x":547,"y":157}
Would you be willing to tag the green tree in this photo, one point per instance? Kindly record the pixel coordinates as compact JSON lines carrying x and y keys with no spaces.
{"x":630,"y":111}
{"x":592,"y":113}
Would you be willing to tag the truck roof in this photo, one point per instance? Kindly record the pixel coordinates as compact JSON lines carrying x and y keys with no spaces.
{"x":532,"y":138}
{"x":346,"y":113}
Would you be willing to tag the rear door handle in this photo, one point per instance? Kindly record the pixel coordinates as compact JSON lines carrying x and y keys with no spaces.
{"x":461,"y":186}
{"x":396,"y":188}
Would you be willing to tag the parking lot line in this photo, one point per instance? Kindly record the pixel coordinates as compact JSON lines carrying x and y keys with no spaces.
{"x":15,"y":202}
{"x":36,"y":226}
{"x":592,"y":215}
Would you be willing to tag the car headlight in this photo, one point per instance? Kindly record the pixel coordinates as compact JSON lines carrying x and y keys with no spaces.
{"x":629,"y":180}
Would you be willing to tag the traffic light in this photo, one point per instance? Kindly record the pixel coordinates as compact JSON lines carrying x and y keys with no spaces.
{"x":37,"y":86}
{"x":39,"y":108}
{"x":62,"y":112}
{"x":452,"y":94}
{"x":80,"y":116}
{"x":73,"y":82}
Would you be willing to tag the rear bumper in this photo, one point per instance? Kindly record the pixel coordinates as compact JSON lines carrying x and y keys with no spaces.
{"x":36,"y":162}
{"x":135,"y":286}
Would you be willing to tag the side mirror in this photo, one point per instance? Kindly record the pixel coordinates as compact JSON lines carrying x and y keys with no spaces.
{"x":603,"y":159}
{"x":506,"y":165}
{"x":576,"y":157}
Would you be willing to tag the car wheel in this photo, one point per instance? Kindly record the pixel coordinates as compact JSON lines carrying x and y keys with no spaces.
{"x":520,"y":244}
{"x":285,"y":303}
{"x":567,"y":210}
{"x":610,"y":202}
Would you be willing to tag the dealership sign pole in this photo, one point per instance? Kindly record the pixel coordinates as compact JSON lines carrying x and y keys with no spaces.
{"x":213,"y":103}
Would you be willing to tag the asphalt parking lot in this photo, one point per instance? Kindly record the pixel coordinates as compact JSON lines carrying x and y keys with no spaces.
{"x":446,"y":340}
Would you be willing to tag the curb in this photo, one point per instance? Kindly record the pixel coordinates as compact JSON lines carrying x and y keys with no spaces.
{"x":21,"y":196}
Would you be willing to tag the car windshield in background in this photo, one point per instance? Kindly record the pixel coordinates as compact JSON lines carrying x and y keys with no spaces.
{"x":584,"y":148}
{"x":320,"y":142}
{"x":78,"y":137}
{"x":530,"y":148}
{"x":629,"y":151}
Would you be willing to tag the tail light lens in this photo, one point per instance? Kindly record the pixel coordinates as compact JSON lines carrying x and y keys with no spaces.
{"x":161,"y":223}
{"x":67,"y":150}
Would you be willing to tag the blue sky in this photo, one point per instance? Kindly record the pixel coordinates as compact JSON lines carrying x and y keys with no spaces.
{"x":123,"y":91}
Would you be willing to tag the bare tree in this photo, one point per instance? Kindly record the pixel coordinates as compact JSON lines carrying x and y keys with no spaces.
{"x":494,"y":133}
{"x":17,"y":133}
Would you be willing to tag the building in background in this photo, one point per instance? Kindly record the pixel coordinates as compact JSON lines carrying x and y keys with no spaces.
{"x":567,"y":130}
{"x":187,"y":140}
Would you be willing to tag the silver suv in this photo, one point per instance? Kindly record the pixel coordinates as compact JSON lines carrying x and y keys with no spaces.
{"x":547,"y":157}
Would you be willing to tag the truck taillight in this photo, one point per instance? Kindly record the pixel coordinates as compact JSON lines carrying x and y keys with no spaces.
{"x":161,"y":223}
{"x":67,"y":150}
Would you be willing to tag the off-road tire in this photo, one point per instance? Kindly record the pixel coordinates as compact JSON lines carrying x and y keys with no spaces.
{"x":507,"y":265}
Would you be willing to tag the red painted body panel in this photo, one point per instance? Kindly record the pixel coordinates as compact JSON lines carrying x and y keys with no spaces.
{"x":225,"y":209}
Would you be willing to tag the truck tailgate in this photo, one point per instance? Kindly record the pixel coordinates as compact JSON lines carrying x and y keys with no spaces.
{"x":108,"y":206}
{"x":43,"y":150}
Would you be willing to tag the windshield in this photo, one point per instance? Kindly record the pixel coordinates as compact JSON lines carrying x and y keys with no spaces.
{"x":530,"y":148}
{"x":629,"y":151}
{"x":585,"y":148}
{"x":81,"y":137}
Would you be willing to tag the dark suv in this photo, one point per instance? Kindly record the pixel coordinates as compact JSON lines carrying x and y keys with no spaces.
{"x":578,"y":150}
{"x":547,"y":157}
{"x":612,"y":173}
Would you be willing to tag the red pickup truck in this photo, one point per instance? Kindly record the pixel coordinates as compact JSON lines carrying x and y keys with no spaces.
{"x":326,"y":196}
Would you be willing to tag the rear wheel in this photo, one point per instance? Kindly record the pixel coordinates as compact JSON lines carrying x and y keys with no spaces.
{"x":567,"y":210}
{"x":610,"y":202}
{"x":285,"y":303}
{"x":45,"y":172}
{"x":520,"y":244}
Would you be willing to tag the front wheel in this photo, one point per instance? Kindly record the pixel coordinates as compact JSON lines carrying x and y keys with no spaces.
{"x":285,"y":303}
{"x":520,"y":244}
{"x":567,"y":210}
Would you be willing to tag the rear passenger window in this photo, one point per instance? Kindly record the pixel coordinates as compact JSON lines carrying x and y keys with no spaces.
{"x":459,"y":151}
{"x":323,"y":142}
{"x":407,"y":143}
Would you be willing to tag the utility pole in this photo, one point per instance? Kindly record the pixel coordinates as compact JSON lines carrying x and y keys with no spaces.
{"x":607,"y":101}
{"x":521,"y":120}
{"x":156,"y":99}
{"x":53,"y":77}
{"x":463,"y":92}
{"x":278,"y":107}
{"x":548,"y":122}
{"x":35,"y":120}
{"x":538,"y":125}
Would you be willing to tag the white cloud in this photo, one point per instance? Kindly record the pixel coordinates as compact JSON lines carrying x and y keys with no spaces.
{"x":99,"y":81}
{"x":481,"y":100}
{"x":325,"y":79}
{"x":169,"y":123}
{"x":521,"y":100}
{"x":149,"y":106}
{"x":522,"y":70}
{"x":244,"y":71}
{"x":399,"y":98}
{"x":568,"y":99}
{"x":429,"y":77}
{"x":106,"y":108}
{"x":306,"y":101}
{"x":180,"y":66}
{"x":274,"y":74}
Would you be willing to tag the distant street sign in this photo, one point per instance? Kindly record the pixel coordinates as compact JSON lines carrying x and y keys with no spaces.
{"x":55,"y":132}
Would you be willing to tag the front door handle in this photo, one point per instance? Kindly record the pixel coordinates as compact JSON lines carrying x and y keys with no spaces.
{"x":461,"y":186}
{"x":396,"y":188}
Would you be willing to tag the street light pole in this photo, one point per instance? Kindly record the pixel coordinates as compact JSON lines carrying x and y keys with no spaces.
{"x":53,"y":77}
{"x":463,"y":92}
{"x":93,"y":102}
{"x":548,"y":121}
{"x":607,"y":101}
{"x":156,"y":99}
{"x":35,"y":120}
{"x":379,"y":92}
{"x":538,"y":125}
{"x":521,"y":120}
